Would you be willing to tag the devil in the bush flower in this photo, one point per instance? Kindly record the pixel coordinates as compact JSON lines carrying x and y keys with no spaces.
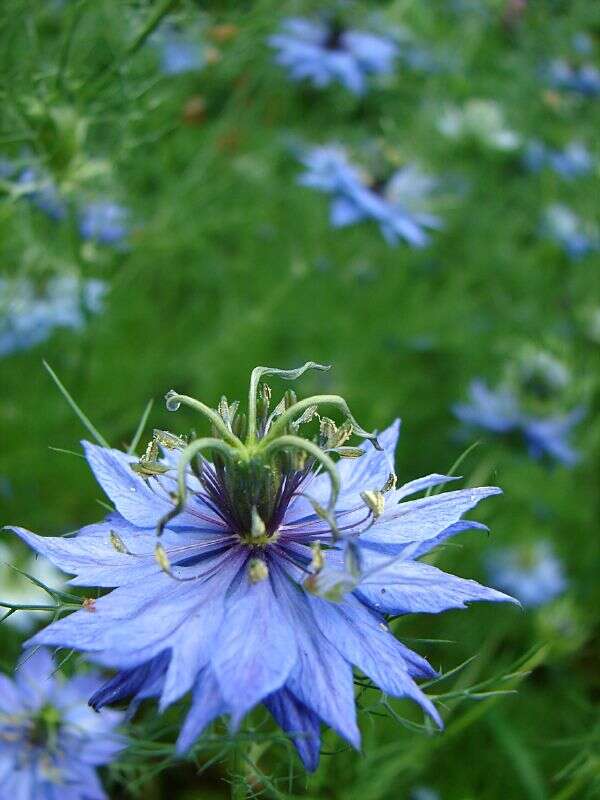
{"x":257,"y":565}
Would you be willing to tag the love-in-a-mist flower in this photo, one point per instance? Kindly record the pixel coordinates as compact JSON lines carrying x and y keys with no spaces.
{"x":400,"y":204}
{"x":527,"y":402}
{"x":180,"y":51}
{"x":30,"y":313}
{"x":105,"y":222}
{"x":531,"y":572}
{"x":326,"y":52}
{"x":251,"y":568}
{"x":51,"y":741}
{"x":576,"y":236}
{"x":571,"y":162}
{"x":583,"y":79}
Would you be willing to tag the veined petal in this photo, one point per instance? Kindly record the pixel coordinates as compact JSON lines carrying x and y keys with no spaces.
{"x":322,"y":678}
{"x":141,"y":502}
{"x":207,"y":705}
{"x":368,"y":644}
{"x":419,"y":520}
{"x":257,"y":647}
{"x":93,"y":558}
{"x":419,"y":485}
{"x":302,"y":725}
{"x":409,"y":587}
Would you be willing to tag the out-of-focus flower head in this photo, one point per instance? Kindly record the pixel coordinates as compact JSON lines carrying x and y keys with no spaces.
{"x":530,"y":402}
{"x":42,"y":192}
{"x":480,"y":122}
{"x":180,"y":50}
{"x":255,"y":566}
{"x":576,"y":236}
{"x":531,"y":572}
{"x":326,"y":52}
{"x":571,"y":162}
{"x":583,"y":79}
{"x":29,"y":313}
{"x":399,"y":203}
{"x":105,"y":222}
{"x":424,"y":793}
{"x":51,"y":742}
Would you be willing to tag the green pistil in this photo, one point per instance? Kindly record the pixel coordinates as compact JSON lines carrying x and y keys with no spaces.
{"x":45,"y":727}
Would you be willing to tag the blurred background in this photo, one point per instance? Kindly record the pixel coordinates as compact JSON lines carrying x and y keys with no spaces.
{"x":407,"y":191}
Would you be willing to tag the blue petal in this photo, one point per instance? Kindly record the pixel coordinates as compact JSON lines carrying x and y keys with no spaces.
{"x":300,"y":723}
{"x":257,"y":647}
{"x":132,"y":496}
{"x":207,"y":704}
{"x":368,"y":644}
{"x":420,"y":520}
{"x":322,"y":679}
{"x":409,"y":587}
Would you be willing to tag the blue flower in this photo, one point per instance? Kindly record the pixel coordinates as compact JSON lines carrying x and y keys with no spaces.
{"x":273,"y":573}
{"x":179,"y":52}
{"x":583,"y":80}
{"x":532,"y":573}
{"x":577,"y":237}
{"x":51,"y":742}
{"x":325,"y":53}
{"x":398,"y":206}
{"x":104,"y":222}
{"x":28,"y":315}
{"x":501,"y":412}
{"x":42,"y":192}
{"x":571,"y":162}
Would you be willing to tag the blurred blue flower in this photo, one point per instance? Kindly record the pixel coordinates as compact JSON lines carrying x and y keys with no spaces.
{"x":530,"y":572}
{"x":41,"y":191}
{"x":242,"y":606}
{"x":51,"y":742}
{"x":179,"y":52}
{"x":323,"y":53}
{"x":576,"y":236}
{"x":501,"y":412}
{"x":424,"y":793}
{"x":105,"y":222}
{"x":28,"y":315}
{"x":584,"y":79}
{"x":571,"y":162}
{"x":398,"y":205}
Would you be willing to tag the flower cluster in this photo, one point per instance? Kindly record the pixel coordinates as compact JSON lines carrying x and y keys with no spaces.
{"x":326,"y":52}
{"x":584,"y":79}
{"x":526,"y":403}
{"x":577,"y":237}
{"x":29,"y":314}
{"x":102,"y":221}
{"x":571,"y":162}
{"x":51,"y":742}
{"x":249,"y":567}
{"x":399,"y":204}
{"x":532,"y":573}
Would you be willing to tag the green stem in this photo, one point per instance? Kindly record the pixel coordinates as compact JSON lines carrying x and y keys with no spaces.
{"x":315,"y":451}
{"x":213,"y":416}
{"x":294,"y":411}
{"x":195,"y":447}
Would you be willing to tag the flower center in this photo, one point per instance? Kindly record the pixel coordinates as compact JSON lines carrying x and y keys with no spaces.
{"x":44,"y":728}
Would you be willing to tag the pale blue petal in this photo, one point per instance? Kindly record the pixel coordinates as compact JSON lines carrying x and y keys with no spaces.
{"x":257,"y":647}
{"x":207,"y":705}
{"x":300,"y":723}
